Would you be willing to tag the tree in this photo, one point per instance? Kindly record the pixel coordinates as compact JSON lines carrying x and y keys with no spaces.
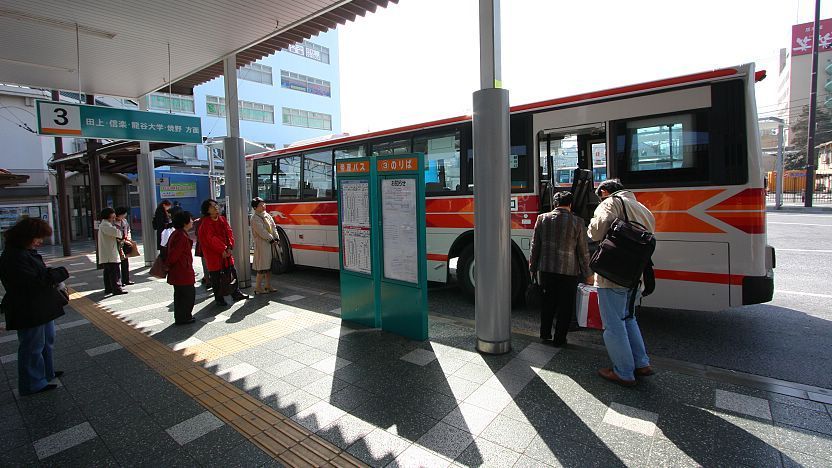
{"x":799,"y":131}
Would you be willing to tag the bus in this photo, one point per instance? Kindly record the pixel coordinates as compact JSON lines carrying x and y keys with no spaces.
{"x":687,"y":146}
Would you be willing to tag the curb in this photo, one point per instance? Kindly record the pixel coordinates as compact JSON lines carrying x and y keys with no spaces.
{"x":799,"y":209}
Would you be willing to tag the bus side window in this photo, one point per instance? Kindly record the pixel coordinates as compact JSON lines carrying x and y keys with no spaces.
{"x":518,"y":159}
{"x":317,"y":175}
{"x":288,"y":178}
{"x":442,"y":164}
{"x":267,"y":180}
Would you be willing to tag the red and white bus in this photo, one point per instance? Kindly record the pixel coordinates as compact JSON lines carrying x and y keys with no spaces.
{"x":688,"y":146}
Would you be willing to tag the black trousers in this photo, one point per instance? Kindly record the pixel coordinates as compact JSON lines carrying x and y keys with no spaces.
{"x":215,"y":284}
{"x":558,"y":301}
{"x":125,"y":271}
{"x":184,"y":298}
{"x":112,"y":277}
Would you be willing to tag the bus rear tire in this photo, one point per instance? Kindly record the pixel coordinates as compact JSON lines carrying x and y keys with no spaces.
{"x":285,"y":252}
{"x":466,"y":266}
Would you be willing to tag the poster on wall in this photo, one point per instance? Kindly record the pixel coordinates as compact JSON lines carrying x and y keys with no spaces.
{"x":355,"y":225}
{"x":400,"y":229}
{"x":178,"y":190}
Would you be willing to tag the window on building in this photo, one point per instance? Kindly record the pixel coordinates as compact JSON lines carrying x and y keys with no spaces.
{"x":172,"y":102}
{"x":252,"y":111}
{"x":442,"y":162}
{"x":256,"y":73}
{"x":256,"y":112}
{"x":302,"y":118}
{"x":215,"y":106}
{"x":310,"y":50}
{"x":317,"y":175}
{"x":306,"y":84}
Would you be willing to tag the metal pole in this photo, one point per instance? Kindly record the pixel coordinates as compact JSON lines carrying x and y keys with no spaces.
{"x":492,"y":230}
{"x":95,"y":183}
{"x":63,"y":198}
{"x":212,"y":182}
{"x":235,"y":175}
{"x":813,"y":105}
{"x":778,"y":194}
{"x":147,"y":194}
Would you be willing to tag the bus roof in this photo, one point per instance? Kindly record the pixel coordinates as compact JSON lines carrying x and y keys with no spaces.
{"x":584,"y":97}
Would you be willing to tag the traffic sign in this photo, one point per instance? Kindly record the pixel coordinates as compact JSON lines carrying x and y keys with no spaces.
{"x":83,"y":121}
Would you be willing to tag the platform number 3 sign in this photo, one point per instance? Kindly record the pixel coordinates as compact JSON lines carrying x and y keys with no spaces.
{"x":58,"y":119}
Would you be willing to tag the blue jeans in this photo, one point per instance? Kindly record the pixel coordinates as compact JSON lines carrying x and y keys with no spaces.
{"x":34,"y":357}
{"x":621,"y":337}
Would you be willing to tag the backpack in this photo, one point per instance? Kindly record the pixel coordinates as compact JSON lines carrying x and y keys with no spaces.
{"x":625,"y":252}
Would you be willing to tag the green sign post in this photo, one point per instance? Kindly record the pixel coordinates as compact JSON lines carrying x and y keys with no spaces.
{"x":381,"y":206}
{"x":82,"y":121}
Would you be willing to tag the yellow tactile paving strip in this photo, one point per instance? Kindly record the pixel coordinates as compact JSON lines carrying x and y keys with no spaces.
{"x":274,"y":433}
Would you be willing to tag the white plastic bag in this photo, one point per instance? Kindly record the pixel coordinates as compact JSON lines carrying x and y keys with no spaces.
{"x":166,"y":235}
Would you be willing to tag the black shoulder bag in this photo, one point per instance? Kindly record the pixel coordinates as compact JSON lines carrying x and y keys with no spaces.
{"x":625,"y":252}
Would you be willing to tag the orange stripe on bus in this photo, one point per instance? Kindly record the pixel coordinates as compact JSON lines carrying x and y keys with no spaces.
{"x":697,"y":277}
{"x":683,"y":222}
{"x":679,"y":200}
{"x":753,"y":199}
{"x":752,"y":222}
{"x":316,"y":248}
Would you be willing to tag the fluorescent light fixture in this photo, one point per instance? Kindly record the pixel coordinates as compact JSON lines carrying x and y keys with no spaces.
{"x":21,"y":16}
{"x":39,"y":65}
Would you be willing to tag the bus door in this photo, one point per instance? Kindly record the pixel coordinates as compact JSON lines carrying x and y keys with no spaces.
{"x":562,"y":150}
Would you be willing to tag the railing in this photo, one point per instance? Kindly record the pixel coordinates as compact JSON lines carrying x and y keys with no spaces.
{"x":798,"y":198}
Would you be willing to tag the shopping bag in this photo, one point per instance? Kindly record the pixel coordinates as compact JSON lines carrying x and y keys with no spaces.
{"x":159,"y":268}
{"x":278,"y":264}
{"x":589,"y":315}
{"x":228,"y":279}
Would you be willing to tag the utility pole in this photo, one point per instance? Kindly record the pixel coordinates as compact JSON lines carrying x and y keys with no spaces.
{"x":813,"y":105}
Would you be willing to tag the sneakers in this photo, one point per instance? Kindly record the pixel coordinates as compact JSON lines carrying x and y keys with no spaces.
{"x":610,"y":375}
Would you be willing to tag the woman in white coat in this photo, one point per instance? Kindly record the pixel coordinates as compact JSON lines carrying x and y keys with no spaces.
{"x":264,"y":233}
{"x":109,"y":253}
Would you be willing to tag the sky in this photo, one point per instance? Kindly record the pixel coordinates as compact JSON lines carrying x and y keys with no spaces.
{"x":418,"y":60}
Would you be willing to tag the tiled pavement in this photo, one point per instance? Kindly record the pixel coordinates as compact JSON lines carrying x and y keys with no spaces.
{"x":279,"y":380}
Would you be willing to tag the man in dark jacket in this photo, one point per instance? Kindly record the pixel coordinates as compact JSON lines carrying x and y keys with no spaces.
{"x":31,"y":304}
{"x":560,"y":254}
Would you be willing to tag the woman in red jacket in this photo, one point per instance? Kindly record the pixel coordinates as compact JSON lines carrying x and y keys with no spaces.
{"x":181,"y":269}
{"x":217,"y":242}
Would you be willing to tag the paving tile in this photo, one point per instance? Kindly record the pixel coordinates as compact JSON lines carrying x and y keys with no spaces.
{"x":617,"y":443}
{"x":800,"y":402}
{"x":457,"y":387}
{"x":63,"y":440}
{"x":144,"y":308}
{"x":72,"y":324}
{"x":326,"y":386}
{"x":489,"y":398}
{"x":509,"y":433}
{"x":538,"y":354}
{"x":470,"y":418}
{"x":349,"y":397}
{"x":446,"y":440}
{"x":98,"y":350}
{"x":244,"y":455}
{"x":331,"y":364}
{"x":474,"y":373}
{"x":318,"y":416}
{"x":149,"y":323}
{"x":802,"y":418}
{"x":286,"y":367}
{"x":237,"y":372}
{"x":292,"y":298}
{"x":294,"y":402}
{"x":419,"y":356}
{"x":93,"y":452}
{"x":632,"y":419}
{"x":485,"y":453}
{"x":194,"y":428}
{"x":793,"y":459}
{"x":214,"y":445}
{"x":744,"y":404}
{"x":346,"y":430}
{"x":8,"y":358}
{"x":378,"y":448}
{"x":304,"y":377}
{"x":219,"y":318}
{"x":180,"y":345}
{"x":282,"y":315}
{"x":416,"y":457}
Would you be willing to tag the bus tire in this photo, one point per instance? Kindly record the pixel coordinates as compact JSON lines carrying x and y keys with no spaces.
{"x":466,"y":279}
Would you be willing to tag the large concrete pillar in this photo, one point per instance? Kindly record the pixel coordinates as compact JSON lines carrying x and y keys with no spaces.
{"x":147,"y":195}
{"x":235,"y":175}
{"x":492,"y":192}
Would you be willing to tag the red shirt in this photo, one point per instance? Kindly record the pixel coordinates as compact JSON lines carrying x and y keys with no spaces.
{"x":215,"y":237}
{"x":179,"y":259}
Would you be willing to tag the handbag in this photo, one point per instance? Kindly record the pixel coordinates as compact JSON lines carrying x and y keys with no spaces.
{"x":159,"y":268}
{"x":62,"y":296}
{"x":625,"y":251}
{"x":534,"y":293}
{"x":227,"y":279}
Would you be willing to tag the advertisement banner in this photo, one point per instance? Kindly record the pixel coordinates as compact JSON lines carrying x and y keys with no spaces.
{"x":178,"y":190}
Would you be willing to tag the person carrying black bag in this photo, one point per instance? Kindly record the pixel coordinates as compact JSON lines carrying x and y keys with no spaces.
{"x":622,"y":336}
{"x":33,"y":300}
{"x":559,"y":252}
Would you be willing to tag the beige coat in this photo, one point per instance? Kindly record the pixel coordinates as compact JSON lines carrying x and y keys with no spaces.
{"x":108,"y":240}
{"x":263,"y":230}
{"x":607,"y":212}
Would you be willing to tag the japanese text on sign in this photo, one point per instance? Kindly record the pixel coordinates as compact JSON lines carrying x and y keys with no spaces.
{"x":348,"y":167}
{"x":399,"y":228}
{"x":355,"y":225}
{"x":401,"y":164}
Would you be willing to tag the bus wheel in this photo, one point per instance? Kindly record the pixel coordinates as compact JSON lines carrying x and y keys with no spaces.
{"x":466,"y":279}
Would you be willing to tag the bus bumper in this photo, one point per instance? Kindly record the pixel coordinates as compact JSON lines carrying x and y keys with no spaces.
{"x":760,"y":289}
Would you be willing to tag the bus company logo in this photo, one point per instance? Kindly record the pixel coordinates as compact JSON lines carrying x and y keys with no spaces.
{"x":355,"y":167}
{"x":401,"y":164}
